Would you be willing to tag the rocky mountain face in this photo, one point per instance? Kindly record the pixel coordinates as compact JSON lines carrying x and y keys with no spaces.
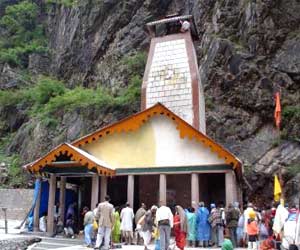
{"x":247,"y":51}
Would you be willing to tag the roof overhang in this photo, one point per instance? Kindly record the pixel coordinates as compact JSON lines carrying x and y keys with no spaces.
{"x":80,"y":163}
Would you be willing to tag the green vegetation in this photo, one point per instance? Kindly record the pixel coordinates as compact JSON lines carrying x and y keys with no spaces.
{"x":37,"y":95}
{"x":276,"y":142}
{"x":293,"y":169}
{"x":209,"y":103}
{"x":66,"y":3}
{"x":22,"y":34}
{"x":131,"y":94}
{"x":291,"y":121}
{"x":134,"y":68}
{"x":291,"y":112}
{"x":78,"y":98}
{"x":247,"y":170}
{"x":135,"y":64}
{"x":50,"y":96}
{"x":15,"y":174}
{"x":46,"y":89}
{"x":294,"y":34}
{"x":49,"y":99}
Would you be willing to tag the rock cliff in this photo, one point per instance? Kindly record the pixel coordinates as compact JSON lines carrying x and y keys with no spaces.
{"x":247,"y":50}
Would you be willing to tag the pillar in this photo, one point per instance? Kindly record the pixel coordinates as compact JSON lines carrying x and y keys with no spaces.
{"x":130,"y":190}
{"x":195,"y":190}
{"x":162,"y":189}
{"x":51,"y":201}
{"x":62,"y":198}
{"x":230,"y":187}
{"x":103,"y":188}
{"x":36,"y":212}
{"x":239,"y":194}
{"x":95,"y":191}
{"x":80,"y":195}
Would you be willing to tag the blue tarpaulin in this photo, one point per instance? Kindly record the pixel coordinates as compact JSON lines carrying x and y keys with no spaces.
{"x":44,"y":185}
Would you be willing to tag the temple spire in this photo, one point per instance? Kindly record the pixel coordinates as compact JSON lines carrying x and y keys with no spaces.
{"x":171,"y":75}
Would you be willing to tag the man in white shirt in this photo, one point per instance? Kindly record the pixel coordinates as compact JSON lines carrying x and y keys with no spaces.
{"x":127,"y":217}
{"x":164,"y":219}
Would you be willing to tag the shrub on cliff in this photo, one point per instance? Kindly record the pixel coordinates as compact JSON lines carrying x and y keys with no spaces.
{"x":22,"y":34}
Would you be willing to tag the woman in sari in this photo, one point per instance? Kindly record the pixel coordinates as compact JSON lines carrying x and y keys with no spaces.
{"x":191,"y":222}
{"x":116,"y":232}
{"x":180,"y":227}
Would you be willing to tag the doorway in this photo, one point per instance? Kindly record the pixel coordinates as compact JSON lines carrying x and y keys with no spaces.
{"x":117,"y":190}
{"x":212,"y":188}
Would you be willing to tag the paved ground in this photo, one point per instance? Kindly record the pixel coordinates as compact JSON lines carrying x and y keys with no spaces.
{"x":60,"y":243}
{"x":77,"y":244}
{"x":70,"y":244}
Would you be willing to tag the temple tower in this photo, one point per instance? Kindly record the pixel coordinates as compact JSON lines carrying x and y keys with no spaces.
{"x":171,"y":76}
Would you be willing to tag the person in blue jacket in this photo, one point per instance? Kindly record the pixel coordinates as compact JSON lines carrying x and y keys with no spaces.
{"x":203,"y":226}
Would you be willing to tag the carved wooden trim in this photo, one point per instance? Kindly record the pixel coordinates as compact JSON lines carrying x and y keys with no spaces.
{"x":64,"y":149}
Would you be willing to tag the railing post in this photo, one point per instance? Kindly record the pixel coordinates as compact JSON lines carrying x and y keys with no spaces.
{"x":5,"y":219}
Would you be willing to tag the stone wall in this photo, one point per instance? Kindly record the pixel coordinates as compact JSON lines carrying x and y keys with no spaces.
{"x":17,"y":202}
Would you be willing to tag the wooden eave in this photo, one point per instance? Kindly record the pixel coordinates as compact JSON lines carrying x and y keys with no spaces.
{"x":78,"y":159}
{"x":134,"y":122}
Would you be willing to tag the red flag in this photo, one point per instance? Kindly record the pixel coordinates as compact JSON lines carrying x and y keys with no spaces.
{"x":277,"y":113}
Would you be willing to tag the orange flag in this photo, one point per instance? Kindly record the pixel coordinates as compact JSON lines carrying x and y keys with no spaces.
{"x":277,"y":113}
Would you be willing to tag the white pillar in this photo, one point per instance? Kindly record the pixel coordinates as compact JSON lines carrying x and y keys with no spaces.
{"x":130,"y":190}
{"x":103,"y":188}
{"x":95,"y":191}
{"x":36,"y":212}
{"x":162,"y":189}
{"x":62,"y":198}
{"x":51,"y":201}
{"x":195,"y":190}
{"x":239,"y":194}
{"x":230,"y":187}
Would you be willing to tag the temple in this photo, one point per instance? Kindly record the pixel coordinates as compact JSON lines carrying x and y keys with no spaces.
{"x":161,"y":153}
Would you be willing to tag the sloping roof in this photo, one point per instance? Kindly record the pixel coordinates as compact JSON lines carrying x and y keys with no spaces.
{"x":135,"y":121}
{"x":81,"y":158}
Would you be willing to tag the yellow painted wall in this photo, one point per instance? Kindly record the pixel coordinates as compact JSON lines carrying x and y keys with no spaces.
{"x":125,"y":150}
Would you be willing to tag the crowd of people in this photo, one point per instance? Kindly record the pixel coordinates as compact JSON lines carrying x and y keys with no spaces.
{"x":213,"y":226}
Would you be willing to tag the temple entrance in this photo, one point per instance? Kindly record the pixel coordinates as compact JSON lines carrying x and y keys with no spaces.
{"x":117,"y":190}
{"x":136,"y":200}
{"x":80,"y":188}
{"x":212,"y":188}
{"x":179,"y":190}
{"x":148,"y":189}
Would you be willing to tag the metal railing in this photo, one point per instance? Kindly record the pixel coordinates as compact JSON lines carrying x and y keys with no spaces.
{"x":4,"y":209}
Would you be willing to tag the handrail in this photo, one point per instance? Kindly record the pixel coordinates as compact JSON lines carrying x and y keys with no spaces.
{"x":4,"y":209}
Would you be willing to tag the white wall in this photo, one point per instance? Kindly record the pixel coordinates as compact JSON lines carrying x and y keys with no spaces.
{"x":171,"y":150}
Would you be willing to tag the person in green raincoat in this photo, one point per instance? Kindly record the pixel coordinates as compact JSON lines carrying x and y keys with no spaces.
{"x":227,"y":244}
{"x":116,"y":232}
{"x":192,"y":230}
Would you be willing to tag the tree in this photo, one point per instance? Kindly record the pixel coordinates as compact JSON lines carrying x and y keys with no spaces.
{"x":22,"y":33}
